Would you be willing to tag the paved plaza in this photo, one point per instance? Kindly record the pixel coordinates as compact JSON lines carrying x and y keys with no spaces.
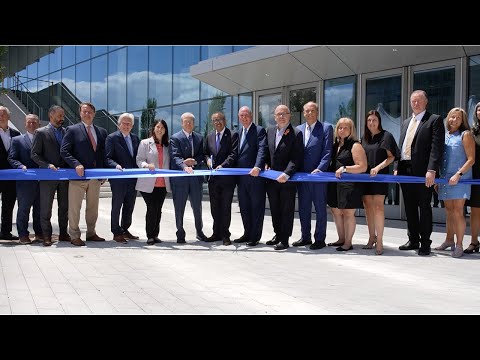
{"x":210,"y":278}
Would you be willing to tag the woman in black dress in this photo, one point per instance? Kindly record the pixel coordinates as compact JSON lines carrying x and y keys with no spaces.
{"x":381,"y":150}
{"x":474,"y":201}
{"x":348,"y":156}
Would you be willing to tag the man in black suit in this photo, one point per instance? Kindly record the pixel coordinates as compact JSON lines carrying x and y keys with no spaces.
{"x":121,"y":148}
{"x":285,"y":154}
{"x":83,"y":147}
{"x":186,"y":152}
{"x":421,"y":141}
{"x":251,"y":151}
{"x":221,"y":152}
{"x":7,"y":187}
{"x":46,"y":153}
{"x":28,"y":194}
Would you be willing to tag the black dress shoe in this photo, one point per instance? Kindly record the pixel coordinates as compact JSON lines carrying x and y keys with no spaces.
{"x":181,"y":241}
{"x":318,"y":245}
{"x":342,"y":249}
{"x":201,"y":237}
{"x":424,"y":250}
{"x":409,"y":246}
{"x":301,"y":242}
{"x":157,"y":240}
{"x":226,"y":241}
{"x":151,"y":241}
{"x":274,"y":241}
{"x":8,"y":236}
{"x":211,"y":239}
{"x":252,"y":243}
{"x":240,"y":240}
{"x":336,"y":243}
{"x":281,"y":246}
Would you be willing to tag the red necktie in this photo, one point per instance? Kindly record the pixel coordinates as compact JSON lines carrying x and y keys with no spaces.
{"x":90,"y":136}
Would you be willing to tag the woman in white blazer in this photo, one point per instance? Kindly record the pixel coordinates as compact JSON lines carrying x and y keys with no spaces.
{"x":153,"y":154}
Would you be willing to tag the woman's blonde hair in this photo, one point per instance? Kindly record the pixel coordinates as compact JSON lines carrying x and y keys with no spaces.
{"x":351,"y":124}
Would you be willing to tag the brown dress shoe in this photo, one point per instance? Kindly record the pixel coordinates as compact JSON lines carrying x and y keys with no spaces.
{"x":94,"y":238}
{"x":128,"y":235}
{"x":77,"y":242}
{"x":64,"y":237}
{"x":120,"y":239}
{"x":38,"y":237}
{"x":47,"y":241}
{"x":24,"y":240}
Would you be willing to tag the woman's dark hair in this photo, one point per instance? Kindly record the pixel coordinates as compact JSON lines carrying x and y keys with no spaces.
{"x":367,"y":134}
{"x":164,"y":139}
{"x":476,"y":121}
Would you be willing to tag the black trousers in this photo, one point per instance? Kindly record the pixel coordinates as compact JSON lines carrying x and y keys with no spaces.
{"x":8,"y":189}
{"x":282,"y":207}
{"x":221,"y":195}
{"x":154,"y":201}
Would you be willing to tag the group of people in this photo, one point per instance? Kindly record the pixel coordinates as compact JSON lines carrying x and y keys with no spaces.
{"x":425,"y":149}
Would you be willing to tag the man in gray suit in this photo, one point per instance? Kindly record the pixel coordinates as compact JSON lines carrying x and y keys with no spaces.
{"x":46,"y":153}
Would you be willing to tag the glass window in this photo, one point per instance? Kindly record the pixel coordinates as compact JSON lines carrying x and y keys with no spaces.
{"x":185,"y":87}
{"x":56,"y":59}
{"x":298,"y":98}
{"x":83,"y":53}
{"x":266,"y":108}
{"x":137,"y":77}
{"x":117,"y":81}
{"x":32,"y":70}
{"x":69,"y":100}
{"x":99,"y":82}
{"x":339,"y":99}
{"x":147,"y":117}
{"x":160,"y":74}
{"x":178,"y":110}
{"x":68,"y":56}
{"x":208,"y":107}
{"x":243,"y":100}
{"x":111,"y":48}
{"x":98,"y":50}
{"x":82,"y":82}
{"x":43,"y":92}
{"x":214,"y":51}
{"x":43,"y":65}
{"x":239,"y":48}
{"x":473,"y":86}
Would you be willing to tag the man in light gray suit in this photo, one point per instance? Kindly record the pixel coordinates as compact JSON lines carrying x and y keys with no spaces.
{"x":46,"y":153}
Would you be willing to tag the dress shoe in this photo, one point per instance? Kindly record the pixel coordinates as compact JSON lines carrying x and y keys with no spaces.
{"x":201,"y":237}
{"x":38,"y":237}
{"x":343,"y":249}
{"x":157,"y":240}
{"x":64,"y":237}
{"x":119,"y":238}
{"x":472,"y":248}
{"x":77,"y":242}
{"x":409,"y":246}
{"x":211,"y":239}
{"x":445,"y":245}
{"x":424,"y":250}
{"x":181,"y":241}
{"x":458,"y":252}
{"x":302,"y":242}
{"x":318,"y":245}
{"x":127,"y":235}
{"x":24,"y":240}
{"x":47,"y":241}
{"x":252,"y":243}
{"x":94,"y":237}
{"x":281,"y":246}
{"x":151,"y":241}
{"x":274,"y":241}
{"x":336,"y":243}
{"x":226,"y":241}
{"x":241,"y":239}
{"x":8,"y":236}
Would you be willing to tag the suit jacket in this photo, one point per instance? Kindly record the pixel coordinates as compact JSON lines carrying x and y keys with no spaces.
{"x":46,"y":149}
{"x":4,"y":164}
{"x":117,"y":152}
{"x":226,"y":155}
{"x":148,"y":154}
{"x":20,"y":152}
{"x":180,"y":149}
{"x":288,"y":156}
{"x":318,"y":150}
{"x":77,"y":149}
{"x":427,"y":145}
{"x":254,"y":148}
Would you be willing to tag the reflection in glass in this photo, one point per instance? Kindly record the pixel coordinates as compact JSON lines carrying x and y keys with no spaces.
{"x":160,"y":74}
{"x":339,"y":99}
{"x":298,"y":98}
{"x":43,"y":65}
{"x":137,"y":77}
{"x":99,"y":82}
{"x":82,"y":53}
{"x":209,"y":107}
{"x":473,"y":86}
{"x":68,"y":56}
{"x":117,"y":81}
{"x":99,"y":50}
{"x":82,"y":82}
{"x":266,"y":108}
{"x":209,"y":52}
{"x":179,"y":110}
{"x":56,"y":60}
{"x":185,"y":87}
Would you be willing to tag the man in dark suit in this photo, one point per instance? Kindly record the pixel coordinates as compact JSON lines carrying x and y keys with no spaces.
{"x":251,"y":151}
{"x":422,"y":141}
{"x":186,"y":152}
{"x":7,"y":187}
{"x":28,"y":194}
{"x":46,"y":153}
{"x":285,"y":154}
{"x":83,"y":147}
{"x":221,"y":152}
{"x":317,"y":139}
{"x":121,"y":148}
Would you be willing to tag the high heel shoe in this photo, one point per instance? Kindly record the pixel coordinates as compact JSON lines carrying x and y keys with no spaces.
{"x":458,"y":252}
{"x":378,"y":250}
{"x":370,"y":244}
{"x":445,"y":245}
{"x":474,"y":248}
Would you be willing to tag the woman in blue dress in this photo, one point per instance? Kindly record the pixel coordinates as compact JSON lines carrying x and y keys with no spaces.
{"x":458,"y":158}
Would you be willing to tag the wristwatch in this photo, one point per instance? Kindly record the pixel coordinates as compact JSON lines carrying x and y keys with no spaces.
{"x":344,"y":169}
{"x":459,"y":173}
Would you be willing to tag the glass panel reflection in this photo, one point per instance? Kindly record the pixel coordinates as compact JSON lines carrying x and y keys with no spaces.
{"x":266,"y":108}
{"x":473,"y":86}
{"x":298,"y":98}
{"x":339,"y":99}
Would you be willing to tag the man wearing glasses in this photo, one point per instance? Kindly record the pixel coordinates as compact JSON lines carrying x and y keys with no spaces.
{"x":285,"y":154}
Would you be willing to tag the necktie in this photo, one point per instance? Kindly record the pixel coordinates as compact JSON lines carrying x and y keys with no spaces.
{"x":409,"y":138}
{"x":278,"y":137}
{"x":190,"y":140}
{"x":90,"y":136}
{"x":128,"y":139}
{"x":58,"y":135}
{"x":307,"y":134}
{"x":217,"y":142}
{"x":244,"y":135}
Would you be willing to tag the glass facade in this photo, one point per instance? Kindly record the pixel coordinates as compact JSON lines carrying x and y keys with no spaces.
{"x":339,"y":99}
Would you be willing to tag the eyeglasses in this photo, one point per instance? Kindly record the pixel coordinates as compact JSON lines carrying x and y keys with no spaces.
{"x":282,"y":114}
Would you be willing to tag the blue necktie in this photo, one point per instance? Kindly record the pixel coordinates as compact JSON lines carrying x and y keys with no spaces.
{"x":128,"y":139}
{"x":217,"y":143}
{"x":58,"y":135}
{"x":190,"y":140}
